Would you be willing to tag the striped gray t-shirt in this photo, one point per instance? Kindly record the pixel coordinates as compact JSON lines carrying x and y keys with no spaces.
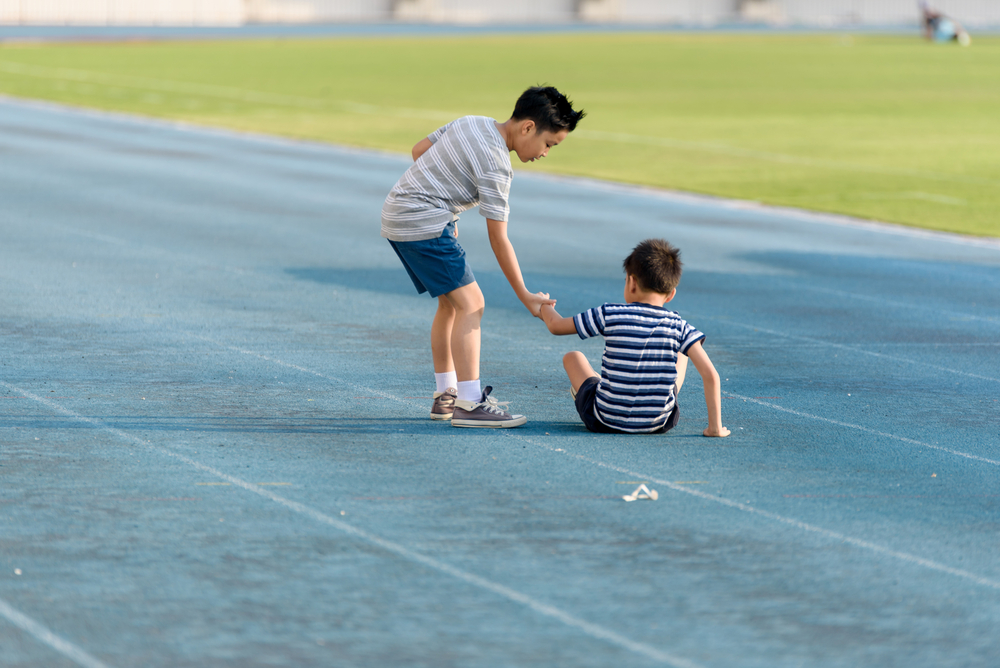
{"x":639,"y":366}
{"x":468,"y":164}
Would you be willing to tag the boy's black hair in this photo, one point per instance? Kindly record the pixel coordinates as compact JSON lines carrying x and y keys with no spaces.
{"x":656,"y":265}
{"x":548,"y":108}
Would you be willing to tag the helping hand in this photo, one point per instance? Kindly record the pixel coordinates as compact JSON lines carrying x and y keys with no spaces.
{"x":534,"y":302}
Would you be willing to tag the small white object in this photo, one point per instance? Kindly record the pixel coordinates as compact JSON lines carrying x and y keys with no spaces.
{"x":642,"y":492}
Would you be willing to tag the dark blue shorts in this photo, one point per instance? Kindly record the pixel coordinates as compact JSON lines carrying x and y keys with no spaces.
{"x":437,"y":266}
{"x":586,"y":397}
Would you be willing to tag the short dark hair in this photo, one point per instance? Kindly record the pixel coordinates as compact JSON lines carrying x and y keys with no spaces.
{"x":655,"y":265}
{"x":548,"y":108}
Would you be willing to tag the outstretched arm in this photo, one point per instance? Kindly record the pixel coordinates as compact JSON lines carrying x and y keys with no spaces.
{"x":556,"y":323}
{"x":507,"y":260}
{"x":713,"y":389}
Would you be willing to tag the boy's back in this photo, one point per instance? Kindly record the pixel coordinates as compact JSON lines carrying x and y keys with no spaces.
{"x":639,"y":365}
{"x":645,"y":355}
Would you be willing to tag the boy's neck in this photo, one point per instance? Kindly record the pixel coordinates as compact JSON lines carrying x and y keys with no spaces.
{"x":506,"y":130}
{"x":651,"y":298}
{"x":634,"y":294}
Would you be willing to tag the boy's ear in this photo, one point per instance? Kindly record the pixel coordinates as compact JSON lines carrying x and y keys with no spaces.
{"x":527,"y":127}
{"x":673,"y":293}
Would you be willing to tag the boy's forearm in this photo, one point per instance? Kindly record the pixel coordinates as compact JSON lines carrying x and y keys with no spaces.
{"x":507,"y":258}
{"x":557,"y":324}
{"x":713,"y":389}
{"x":713,"y":400}
{"x":547,"y":314}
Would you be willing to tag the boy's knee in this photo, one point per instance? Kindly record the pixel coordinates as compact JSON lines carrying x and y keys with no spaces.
{"x":472,"y":308}
{"x":476,"y":305}
{"x":468,"y":300}
{"x":445,"y":306}
{"x":571,"y":357}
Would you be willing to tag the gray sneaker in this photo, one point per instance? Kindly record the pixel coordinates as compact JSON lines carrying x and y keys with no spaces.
{"x":487,"y":412}
{"x":444,"y":404}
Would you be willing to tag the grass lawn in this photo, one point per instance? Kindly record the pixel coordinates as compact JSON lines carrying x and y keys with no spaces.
{"x":882,"y":127}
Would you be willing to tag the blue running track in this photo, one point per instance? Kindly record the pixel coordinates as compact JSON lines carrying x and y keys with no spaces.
{"x":215,"y":448}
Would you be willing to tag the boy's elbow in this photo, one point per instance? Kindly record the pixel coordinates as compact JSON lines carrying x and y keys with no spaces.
{"x":561,"y":326}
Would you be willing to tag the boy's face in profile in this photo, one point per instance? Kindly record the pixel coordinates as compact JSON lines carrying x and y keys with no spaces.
{"x":531,"y":145}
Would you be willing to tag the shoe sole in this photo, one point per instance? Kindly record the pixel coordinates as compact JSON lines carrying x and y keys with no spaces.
{"x":488,"y":424}
{"x":441,"y":416}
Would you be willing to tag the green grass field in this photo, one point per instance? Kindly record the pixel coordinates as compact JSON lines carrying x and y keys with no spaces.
{"x":888,"y":128}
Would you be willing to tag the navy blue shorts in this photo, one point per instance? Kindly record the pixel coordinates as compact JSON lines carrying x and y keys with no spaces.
{"x":586,"y":397}
{"x":437,"y":266}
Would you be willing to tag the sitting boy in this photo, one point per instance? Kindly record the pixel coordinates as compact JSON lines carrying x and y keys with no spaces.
{"x":644,"y":361}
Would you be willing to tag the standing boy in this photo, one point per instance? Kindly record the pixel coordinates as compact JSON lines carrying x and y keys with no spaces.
{"x":644,"y":361}
{"x":460,"y":165}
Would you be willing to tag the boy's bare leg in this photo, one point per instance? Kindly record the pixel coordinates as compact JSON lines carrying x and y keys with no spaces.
{"x":469,"y":304}
{"x":481,"y":411}
{"x":578,"y":369}
{"x":444,"y":322}
{"x":682,"y":367}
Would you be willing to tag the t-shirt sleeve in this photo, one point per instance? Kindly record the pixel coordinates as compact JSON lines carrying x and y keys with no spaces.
{"x":589,"y":323}
{"x":689,"y":336}
{"x":434,"y":136}
{"x":494,"y":191}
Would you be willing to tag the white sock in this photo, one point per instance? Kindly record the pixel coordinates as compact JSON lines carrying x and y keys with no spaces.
{"x":469,"y":390}
{"x":446,"y":381}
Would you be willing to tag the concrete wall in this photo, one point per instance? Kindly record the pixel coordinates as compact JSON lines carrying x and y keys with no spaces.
{"x":123,"y":12}
{"x":685,"y":12}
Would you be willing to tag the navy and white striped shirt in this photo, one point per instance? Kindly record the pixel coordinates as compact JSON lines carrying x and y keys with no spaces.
{"x":639,"y":365}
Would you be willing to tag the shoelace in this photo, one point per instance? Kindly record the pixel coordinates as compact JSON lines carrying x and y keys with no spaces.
{"x":493,"y":406}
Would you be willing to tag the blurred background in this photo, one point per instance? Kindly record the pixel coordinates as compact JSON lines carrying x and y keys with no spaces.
{"x":818,"y":13}
{"x":869,"y":108}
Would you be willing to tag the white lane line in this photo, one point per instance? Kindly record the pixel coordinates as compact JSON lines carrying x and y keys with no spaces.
{"x":711,"y":497}
{"x":852,"y":349}
{"x":834,"y":535}
{"x":593,"y":630}
{"x":289,"y":365}
{"x":898,"y":304}
{"x":42,"y":633}
{"x":867,"y":430}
